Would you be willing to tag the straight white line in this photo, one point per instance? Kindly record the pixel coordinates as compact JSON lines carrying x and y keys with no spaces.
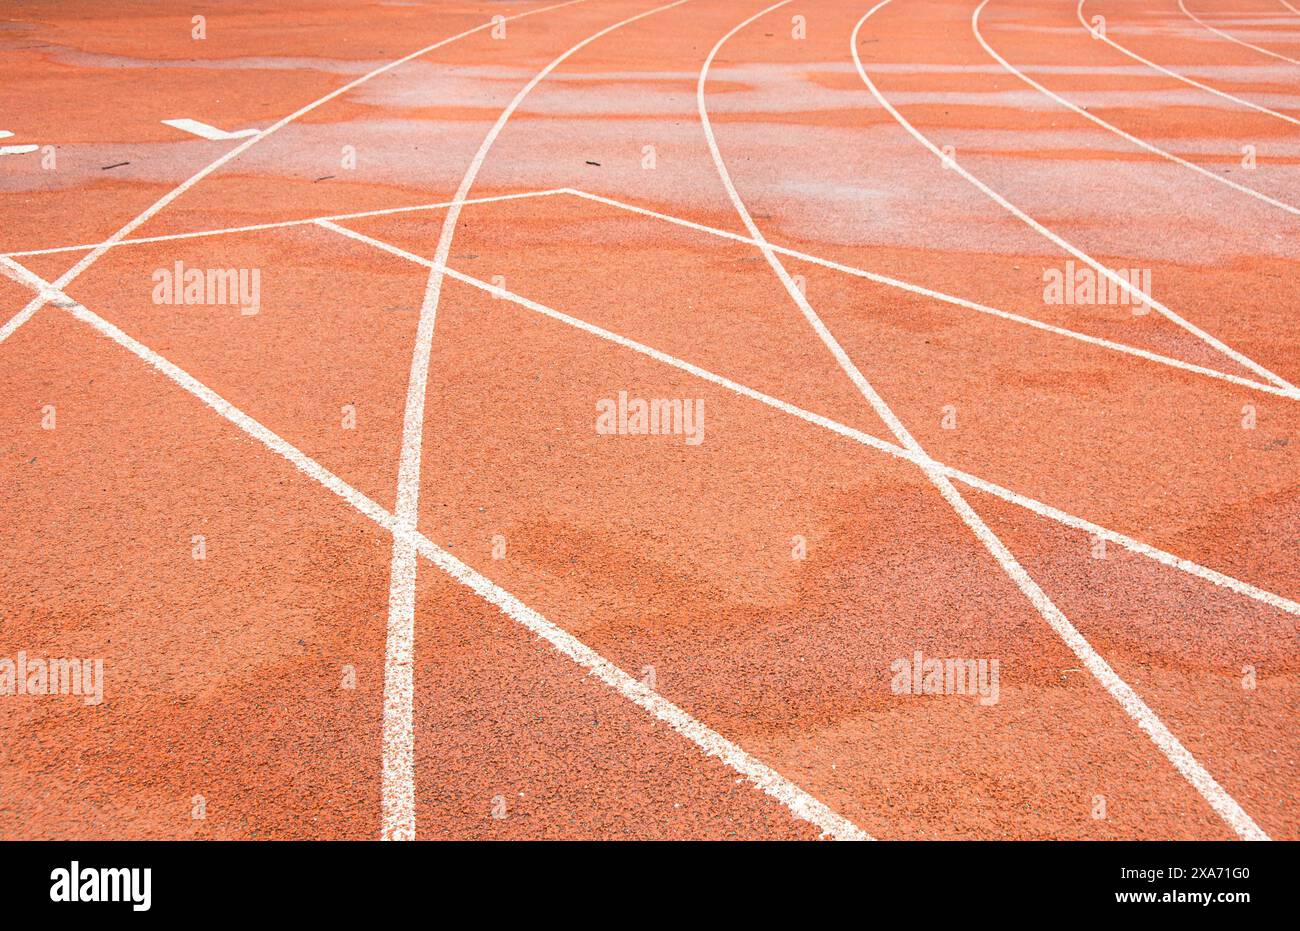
{"x":258,"y":227}
{"x":1289,"y":7}
{"x":399,"y":778}
{"x":19,"y":318}
{"x":1101,"y":34}
{"x":1292,"y":393}
{"x":800,"y":803}
{"x":17,"y":149}
{"x":1131,"y":544}
{"x":1231,"y":38}
{"x":71,"y":274}
{"x":1139,"y":296}
{"x":796,"y":800}
{"x":1133,"y":705}
{"x":852,"y":433}
{"x":737,"y":237}
{"x":1110,"y":127}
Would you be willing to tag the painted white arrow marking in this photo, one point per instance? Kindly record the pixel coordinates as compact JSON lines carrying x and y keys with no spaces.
{"x":209,"y":132}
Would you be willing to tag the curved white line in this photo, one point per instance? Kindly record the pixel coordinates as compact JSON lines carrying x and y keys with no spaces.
{"x":1065,"y":518}
{"x":800,"y":803}
{"x":67,"y":277}
{"x":398,"y":740}
{"x":1179,"y":77}
{"x":1133,"y":705}
{"x":1231,"y":38}
{"x":1110,"y":127}
{"x":1139,"y":296}
{"x":1196,"y":775}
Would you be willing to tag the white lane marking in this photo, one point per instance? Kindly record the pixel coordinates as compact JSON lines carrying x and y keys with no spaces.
{"x":710,"y":742}
{"x":89,"y":259}
{"x":1110,"y":127}
{"x":1045,"y":510}
{"x":19,"y":318}
{"x":209,"y":132}
{"x":736,"y":237}
{"x":281,"y":224}
{"x":93,"y":256}
{"x":1289,"y":6}
{"x":1176,"y":76}
{"x":5,"y":133}
{"x":800,"y":803}
{"x":1231,"y":38}
{"x":398,"y":789}
{"x":1139,"y":296}
{"x":399,"y":777}
{"x":1200,"y":779}
{"x":20,"y":275}
{"x":1292,"y":393}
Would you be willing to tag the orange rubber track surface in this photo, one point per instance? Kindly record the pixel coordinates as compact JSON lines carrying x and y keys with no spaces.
{"x":896,"y":446}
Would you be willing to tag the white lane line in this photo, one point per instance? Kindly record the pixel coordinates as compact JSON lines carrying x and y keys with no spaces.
{"x":800,"y":803}
{"x":281,"y":224}
{"x":1289,"y":6}
{"x":736,"y":237}
{"x":5,"y":133}
{"x":93,"y":256}
{"x":208,"y":132}
{"x":710,"y":742}
{"x":1191,"y":770}
{"x":1139,"y":296}
{"x":1110,"y":127}
{"x":1101,"y":35}
{"x":399,"y":773}
{"x":1231,"y":38}
{"x":1291,"y":393}
{"x":1012,"y":497}
{"x":17,"y":149}
{"x":17,"y":319}
{"x":89,"y":259}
